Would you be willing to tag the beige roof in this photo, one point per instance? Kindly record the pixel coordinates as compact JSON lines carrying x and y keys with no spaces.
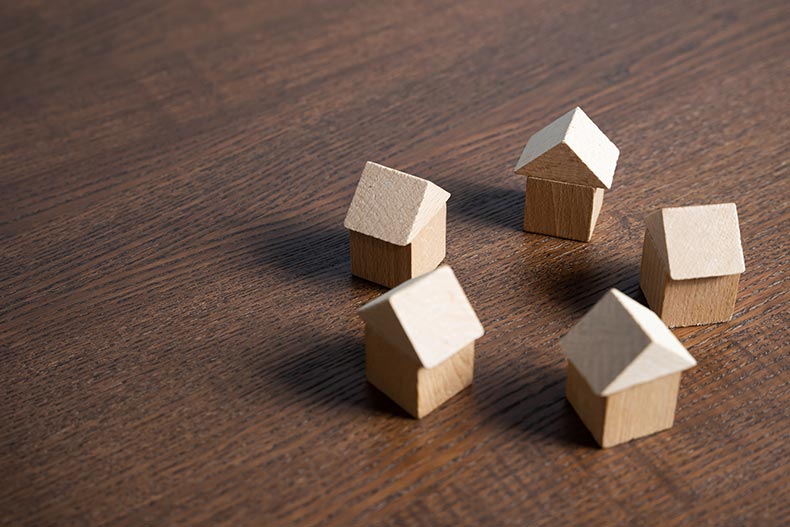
{"x":428,"y":317}
{"x":620,"y":343}
{"x":699,"y":241}
{"x":572,"y":149}
{"x":393,"y":206}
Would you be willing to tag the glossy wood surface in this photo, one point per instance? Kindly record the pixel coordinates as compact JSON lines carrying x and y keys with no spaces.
{"x":178,"y":338}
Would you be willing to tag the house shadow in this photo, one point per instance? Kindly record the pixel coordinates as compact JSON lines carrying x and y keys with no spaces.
{"x":495,"y":206}
{"x":308,"y":252}
{"x":582,"y":278}
{"x":329,"y":373}
{"x":532,"y":400}
{"x":302,"y":250}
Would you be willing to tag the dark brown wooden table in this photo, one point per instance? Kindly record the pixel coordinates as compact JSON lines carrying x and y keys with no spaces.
{"x":179,"y":343}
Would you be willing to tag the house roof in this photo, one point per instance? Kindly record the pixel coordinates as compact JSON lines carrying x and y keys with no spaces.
{"x":699,"y":241}
{"x":620,"y":343}
{"x":572,"y":149}
{"x":393,"y":206}
{"x":428,"y":317}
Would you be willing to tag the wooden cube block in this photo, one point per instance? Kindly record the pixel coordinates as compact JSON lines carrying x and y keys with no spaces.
{"x":416,"y":389}
{"x":389,"y":264}
{"x":568,"y":165}
{"x":561,"y":209}
{"x":639,"y":411}
{"x":397,"y":226}
{"x":419,"y":341}
{"x":691,"y":264}
{"x":624,"y":369}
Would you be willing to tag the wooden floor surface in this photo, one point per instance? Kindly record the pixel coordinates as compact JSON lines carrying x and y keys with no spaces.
{"x":178,"y":338}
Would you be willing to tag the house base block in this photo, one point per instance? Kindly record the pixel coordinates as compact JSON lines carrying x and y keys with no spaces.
{"x":388,"y":264}
{"x":685,"y":302}
{"x":634,"y":412}
{"x":417,"y":390}
{"x":561,"y":209}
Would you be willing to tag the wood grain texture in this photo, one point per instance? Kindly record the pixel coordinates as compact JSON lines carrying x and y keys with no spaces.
{"x":691,"y":302}
{"x":417,"y":390}
{"x":380,"y":262}
{"x":653,"y":275}
{"x":633,"y":413}
{"x":561,"y":209}
{"x":387,"y":264}
{"x":178,"y":335}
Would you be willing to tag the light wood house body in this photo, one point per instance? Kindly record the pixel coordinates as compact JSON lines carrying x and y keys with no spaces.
{"x":568,"y":166}
{"x":397,"y":226}
{"x":692,"y":261}
{"x":624,"y":369}
{"x":420,"y":341}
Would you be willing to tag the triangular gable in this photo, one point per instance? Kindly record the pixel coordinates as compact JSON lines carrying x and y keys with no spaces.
{"x":620,"y":343}
{"x":698,"y":241}
{"x":428,"y":317}
{"x":572,"y":149}
{"x":393,"y":206}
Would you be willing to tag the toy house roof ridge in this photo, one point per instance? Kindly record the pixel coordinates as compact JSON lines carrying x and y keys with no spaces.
{"x":620,"y":343}
{"x":572,"y":149}
{"x":698,"y":241}
{"x":392,"y":205}
{"x":428,"y":317}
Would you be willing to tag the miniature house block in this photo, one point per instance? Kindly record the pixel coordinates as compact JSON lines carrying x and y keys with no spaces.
{"x":397,"y":226}
{"x":624,"y":369}
{"x":568,"y":165}
{"x":420,"y":341}
{"x":692,"y":261}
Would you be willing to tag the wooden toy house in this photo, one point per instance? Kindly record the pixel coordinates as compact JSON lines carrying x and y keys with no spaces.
{"x":624,"y":369}
{"x":420,"y":341}
{"x":568,"y":165}
{"x":692,"y":261}
{"x":397,"y":226}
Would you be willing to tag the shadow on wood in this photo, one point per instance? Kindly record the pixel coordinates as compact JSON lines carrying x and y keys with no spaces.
{"x":531,"y":398}
{"x":329,"y":373}
{"x":582,"y":278}
{"x":305,"y":251}
{"x":496,"y":206}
